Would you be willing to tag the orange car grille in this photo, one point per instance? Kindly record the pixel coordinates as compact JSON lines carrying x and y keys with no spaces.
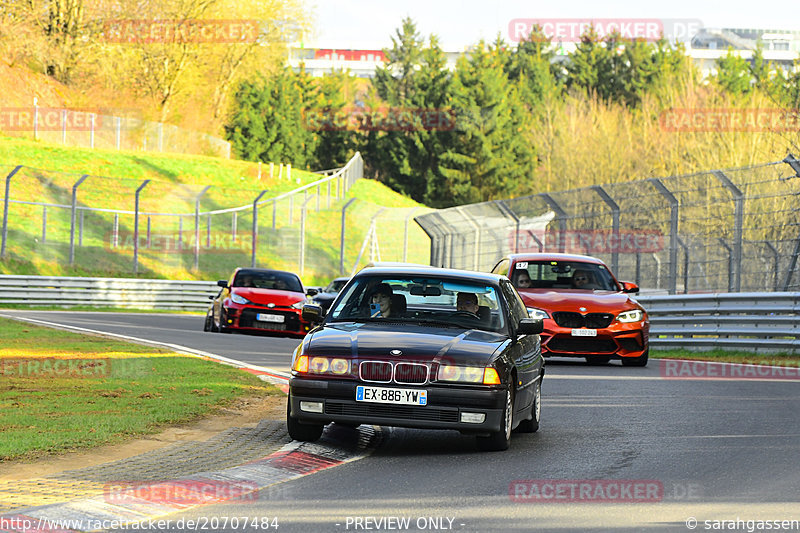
{"x":568,"y":319}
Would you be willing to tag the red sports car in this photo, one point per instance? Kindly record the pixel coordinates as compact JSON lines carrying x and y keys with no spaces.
{"x":586,"y":311}
{"x":257,"y":300}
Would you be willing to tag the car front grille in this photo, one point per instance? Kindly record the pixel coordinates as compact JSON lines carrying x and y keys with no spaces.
{"x":400,"y":412}
{"x":291,"y":321}
{"x":581,"y":345}
{"x":385,"y":372}
{"x":629,"y":345}
{"x":569,"y":319}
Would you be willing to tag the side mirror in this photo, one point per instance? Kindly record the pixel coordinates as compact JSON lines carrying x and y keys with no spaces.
{"x":629,"y":286}
{"x":530,"y":326}
{"x":222,"y":283}
{"x":211,"y":296}
{"x":312,"y":313}
{"x":312,"y":292}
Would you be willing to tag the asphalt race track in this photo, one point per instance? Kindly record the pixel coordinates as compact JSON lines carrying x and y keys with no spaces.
{"x":619,"y":449}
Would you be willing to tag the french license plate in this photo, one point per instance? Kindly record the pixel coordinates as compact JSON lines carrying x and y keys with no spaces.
{"x":263,"y":317}
{"x":584,"y":332}
{"x":394,"y":396}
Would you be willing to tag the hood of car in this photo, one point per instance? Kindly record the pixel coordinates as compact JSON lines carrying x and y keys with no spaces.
{"x":573,"y":300}
{"x":267,"y":296}
{"x":418,"y":343}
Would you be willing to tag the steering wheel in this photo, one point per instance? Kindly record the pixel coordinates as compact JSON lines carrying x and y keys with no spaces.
{"x":466,"y":314}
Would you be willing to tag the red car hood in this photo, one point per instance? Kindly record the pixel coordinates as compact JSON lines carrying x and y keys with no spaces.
{"x":571,"y":300}
{"x":266,"y":296}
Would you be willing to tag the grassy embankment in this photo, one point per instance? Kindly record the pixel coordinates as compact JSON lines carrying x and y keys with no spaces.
{"x":176,"y":182}
{"x":61,"y":391}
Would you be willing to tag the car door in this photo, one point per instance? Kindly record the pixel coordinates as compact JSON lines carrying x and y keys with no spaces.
{"x":524,"y":350}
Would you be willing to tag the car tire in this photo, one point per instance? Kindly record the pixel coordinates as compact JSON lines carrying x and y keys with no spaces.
{"x":636,"y":361}
{"x":207,"y":324}
{"x":498,"y":441}
{"x":299,"y":431}
{"x":601,"y":360}
{"x":532,"y":425}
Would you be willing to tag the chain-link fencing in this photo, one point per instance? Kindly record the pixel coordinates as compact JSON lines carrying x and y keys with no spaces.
{"x":123,"y":130}
{"x":717,"y":231}
{"x":152,"y":228}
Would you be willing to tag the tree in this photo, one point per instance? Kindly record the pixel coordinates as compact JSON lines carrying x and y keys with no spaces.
{"x":733,"y":74}
{"x":490,"y":154}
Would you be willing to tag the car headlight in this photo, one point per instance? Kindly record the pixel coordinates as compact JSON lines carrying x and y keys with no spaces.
{"x":537,"y":313}
{"x":301,"y":303}
{"x":634,"y":315}
{"x":321,"y":365}
{"x":235,"y":298}
{"x":468,"y":374}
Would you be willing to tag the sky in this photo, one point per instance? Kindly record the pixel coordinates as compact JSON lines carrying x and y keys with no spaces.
{"x":369,"y":24}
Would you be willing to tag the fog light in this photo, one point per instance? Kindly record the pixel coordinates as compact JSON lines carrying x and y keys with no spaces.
{"x":311,"y":407}
{"x":473,"y":418}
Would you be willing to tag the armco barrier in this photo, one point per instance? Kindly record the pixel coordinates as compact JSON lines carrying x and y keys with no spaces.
{"x":748,"y":321}
{"x":106,"y":292}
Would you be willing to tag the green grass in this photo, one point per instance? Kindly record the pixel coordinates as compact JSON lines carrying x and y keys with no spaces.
{"x":730,"y":356}
{"x":176,"y":182}
{"x":61,"y":391}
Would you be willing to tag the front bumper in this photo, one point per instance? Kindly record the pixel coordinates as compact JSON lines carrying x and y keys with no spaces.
{"x":617,"y":341}
{"x":243,"y":318}
{"x":443,"y":411}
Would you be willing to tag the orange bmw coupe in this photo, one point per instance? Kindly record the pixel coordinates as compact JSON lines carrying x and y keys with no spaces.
{"x":586,"y":311}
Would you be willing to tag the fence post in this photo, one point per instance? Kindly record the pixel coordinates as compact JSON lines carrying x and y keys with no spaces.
{"x":685,"y":266}
{"x":776,"y":257}
{"x":614,"y":224}
{"x":5,"y":211}
{"x":44,"y":224}
{"x":303,"y":235}
{"x":561,"y":215}
{"x":255,"y":227}
{"x":341,"y":239}
{"x":274,"y":212}
{"x":136,"y":227}
{"x":673,"y":232}
{"x":738,"y":210}
{"x":116,"y":230}
{"x":405,"y":234}
{"x":234,"y":222}
{"x":197,"y":226}
{"x":507,"y":210}
{"x":730,"y":264}
{"x":72,"y":218}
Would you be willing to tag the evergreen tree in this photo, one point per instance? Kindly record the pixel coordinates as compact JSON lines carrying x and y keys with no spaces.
{"x":490,"y":154}
{"x":733,"y":74}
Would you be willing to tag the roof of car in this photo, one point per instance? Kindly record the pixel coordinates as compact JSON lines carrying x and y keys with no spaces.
{"x":554,"y":257}
{"x":246,"y":270}
{"x":404,"y":269}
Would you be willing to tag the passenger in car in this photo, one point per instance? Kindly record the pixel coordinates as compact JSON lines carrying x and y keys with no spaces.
{"x":582,"y":279}
{"x":522,"y":279}
{"x":468,"y":302}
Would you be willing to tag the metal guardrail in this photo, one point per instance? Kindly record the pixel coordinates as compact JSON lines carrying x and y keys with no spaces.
{"x":106,"y":292}
{"x":746,"y":321}
{"x":768,"y":322}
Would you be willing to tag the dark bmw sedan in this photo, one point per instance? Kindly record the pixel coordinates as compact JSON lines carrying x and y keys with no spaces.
{"x":420,"y":347}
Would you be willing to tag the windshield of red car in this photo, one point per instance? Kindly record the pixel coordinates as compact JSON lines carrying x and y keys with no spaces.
{"x":268,"y":280}
{"x":562,"y":275}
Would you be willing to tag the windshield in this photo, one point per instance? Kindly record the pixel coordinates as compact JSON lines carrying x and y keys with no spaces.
{"x":336,"y":285}
{"x":562,"y":275}
{"x":427,"y":301}
{"x":283,"y":281}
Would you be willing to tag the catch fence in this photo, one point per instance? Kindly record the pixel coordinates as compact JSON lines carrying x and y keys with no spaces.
{"x":718,"y":231}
